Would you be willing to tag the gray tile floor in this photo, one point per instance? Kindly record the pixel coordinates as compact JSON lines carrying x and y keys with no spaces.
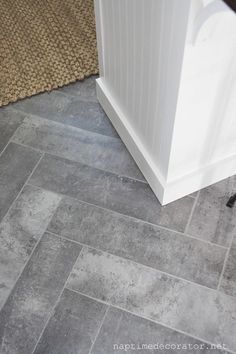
{"x":89,"y":260}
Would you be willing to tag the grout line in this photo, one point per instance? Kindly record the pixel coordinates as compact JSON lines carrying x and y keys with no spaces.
{"x":175,"y":277}
{"x":146,"y":318}
{"x":16,"y":131}
{"x":30,"y":147}
{"x":192,"y":211}
{"x":99,"y":329}
{"x":8,"y":211}
{"x":21,"y":272}
{"x":5,"y":147}
{"x":223,"y":269}
{"x":26,"y":183}
{"x":191,"y":196}
{"x":133,"y":218}
{"x":56,"y":122}
{"x":31,"y":254}
{"x":36,"y":244}
{"x":79,"y":162}
{"x":55,"y":305}
{"x":79,"y":255}
{"x":91,"y":297}
{"x":10,"y":139}
{"x":224,"y":265}
{"x":79,"y":98}
{"x":32,"y":115}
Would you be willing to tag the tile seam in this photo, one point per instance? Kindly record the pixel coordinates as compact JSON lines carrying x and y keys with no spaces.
{"x":134,"y":218}
{"x":32,"y":115}
{"x":191,"y":213}
{"x":139,"y":264}
{"x":55,"y":304}
{"x":224,"y":265}
{"x":99,"y":328}
{"x":66,"y":158}
{"x":25,"y":183}
{"x":147,"y":319}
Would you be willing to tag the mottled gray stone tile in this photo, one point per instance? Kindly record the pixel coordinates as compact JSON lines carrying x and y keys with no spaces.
{"x":123,"y":332}
{"x":16,"y":164}
{"x":85,"y":89}
{"x":68,"y":110}
{"x":144,"y":243}
{"x":234,"y":241}
{"x":20,"y":230}
{"x":9,"y":122}
{"x":73,"y":327}
{"x":108,"y":190}
{"x":176,"y":303}
{"x":78,"y":145}
{"x":228,"y":281}
{"x":212,"y":220}
{"x":26,"y":311}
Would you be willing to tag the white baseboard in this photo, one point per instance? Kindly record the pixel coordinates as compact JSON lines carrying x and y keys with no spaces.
{"x":201,"y":178}
{"x":165,"y":191}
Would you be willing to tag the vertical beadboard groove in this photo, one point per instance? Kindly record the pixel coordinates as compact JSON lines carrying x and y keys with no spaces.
{"x":130,"y":108}
{"x":150,"y":69}
{"x":128,"y":58}
{"x":134,"y":78}
{"x":120,"y":48}
{"x":140,"y":102}
{"x":163,"y":149}
{"x":114,"y":49}
{"x":105,"y":17}
{"x":159,"y":34}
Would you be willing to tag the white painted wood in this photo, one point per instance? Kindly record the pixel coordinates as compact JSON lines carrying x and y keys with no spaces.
{"x":167,"y":82}
{"x":131,"y":139}
{"x":205,"y":120}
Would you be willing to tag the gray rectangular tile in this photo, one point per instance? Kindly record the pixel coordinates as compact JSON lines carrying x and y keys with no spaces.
{"x":108,"y":190}
{"x":26,"y":311}
{"x":20,"y":230}
{"x":68,"y":110}
{"x":124,"y":332}
{"x":144,"y":243}
{"x":16,"y":165}
{"x":73,"y":327}
{"x":212,"y":220}
{"x":9,"y":122}
{"x":78,"y":145}
{"x":85,"y":89}
{"x":200,"y":312}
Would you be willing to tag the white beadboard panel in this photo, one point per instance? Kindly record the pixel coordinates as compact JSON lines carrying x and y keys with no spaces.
{"x":143,"y":43}
{"x":168,"y":84}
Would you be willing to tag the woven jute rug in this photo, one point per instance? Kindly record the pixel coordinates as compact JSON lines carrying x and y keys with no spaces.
{"x":45,"y":44}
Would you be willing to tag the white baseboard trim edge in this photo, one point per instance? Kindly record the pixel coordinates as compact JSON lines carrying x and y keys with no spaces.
{"x":166,"y":192}
{"x":201,"y":178}
{"x":131,"y":140}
